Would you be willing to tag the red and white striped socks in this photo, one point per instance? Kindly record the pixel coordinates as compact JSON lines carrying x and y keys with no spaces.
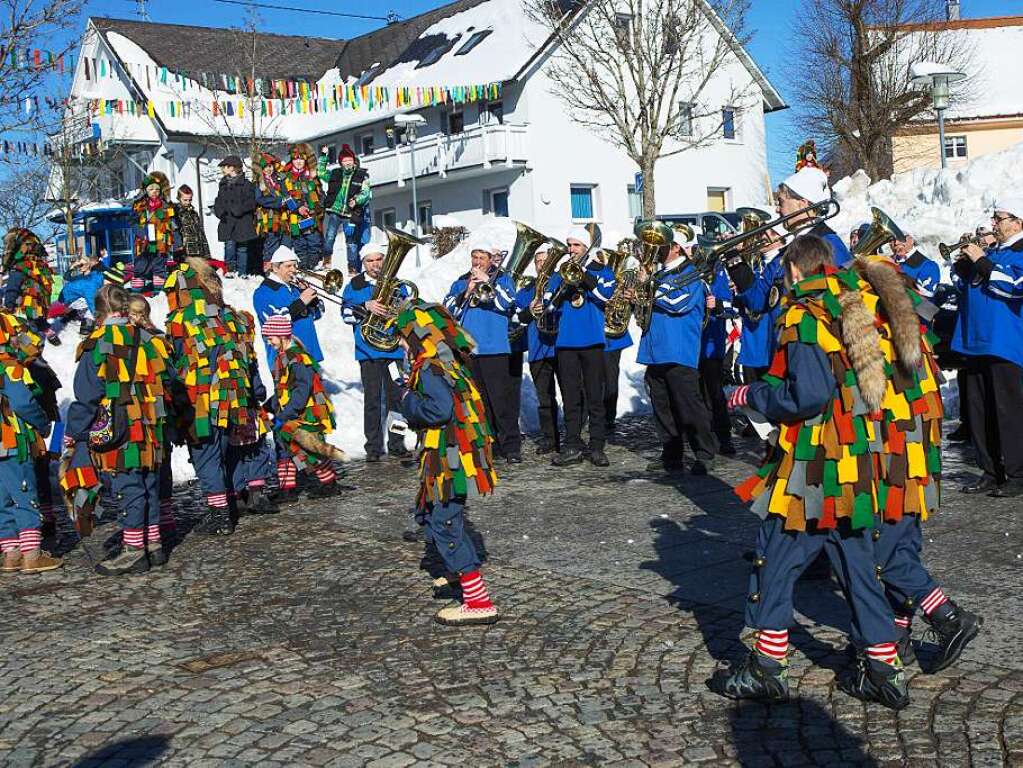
{"x":217,"y":500}
{"x":773,"y":643}
{"x":933,"y":601}
{"x":287,"y":474}
{"x":30,"y":539}
{"x":474,"y":591}
{"x":136,"y":537}
{"x":325,"y":474}
{"x":886,"y":652}
{"x":257,"y":484}
{"x":9,"y":545}
{"x":903,"y":622}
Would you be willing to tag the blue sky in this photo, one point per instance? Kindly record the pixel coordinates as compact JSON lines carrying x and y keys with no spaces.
{"x":773,"y":22}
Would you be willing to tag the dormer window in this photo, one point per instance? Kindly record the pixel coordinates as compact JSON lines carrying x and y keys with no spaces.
{"x":473,"y":41}
{"x":438,"y":50}
{"x":368,"y":75}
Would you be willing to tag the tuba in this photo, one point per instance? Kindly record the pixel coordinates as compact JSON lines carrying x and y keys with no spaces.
{"x":527,"y":240}
{"x":881,"y":232}
{"x":376,"y":330}
{"x":655,"y":237}
{"x":618,"y":311}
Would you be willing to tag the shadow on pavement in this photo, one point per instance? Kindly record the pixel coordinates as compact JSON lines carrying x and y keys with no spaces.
{"x":128,"y":753}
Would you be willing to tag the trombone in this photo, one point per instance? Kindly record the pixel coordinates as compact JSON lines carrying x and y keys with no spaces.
{"x":327,"y":284}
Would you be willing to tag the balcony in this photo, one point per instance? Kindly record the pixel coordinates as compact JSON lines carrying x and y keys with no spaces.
{"x":478,"y":147}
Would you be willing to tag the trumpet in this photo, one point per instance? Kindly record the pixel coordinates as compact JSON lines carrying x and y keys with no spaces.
{"x":327,"y":284}
{"x":955,"y":250}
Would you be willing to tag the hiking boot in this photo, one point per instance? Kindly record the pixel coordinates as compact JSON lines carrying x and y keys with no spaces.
{"x":598,"y":458}
{"x":374,"y":458}
{"x":286,"y":495}
{"x":11,"y":562}
{"x":216,"y":522}
{"x":872,"y":680}
{"x":257,"y":502}
{"x":400,"y":453}
{"x":952,"y":629}
{"x":38,"y":561}
{"x":52,"y":338}
{"x":156,"y":553}
{"x":128,"y":560}
{"x":757,"y":677}
{"x":699,"y":468}
{"x":666,"y":465}
{"x":985,"y":484}
{"x":461,"y":615}
{"x":567,"y":458}
{"x":86,"y":327}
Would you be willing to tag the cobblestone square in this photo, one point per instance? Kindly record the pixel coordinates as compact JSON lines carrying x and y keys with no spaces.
{"x":307,"y":638}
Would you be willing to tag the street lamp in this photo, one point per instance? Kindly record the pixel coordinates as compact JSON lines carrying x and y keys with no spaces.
{"x":937,"y":77}
{"x":411,"y":124}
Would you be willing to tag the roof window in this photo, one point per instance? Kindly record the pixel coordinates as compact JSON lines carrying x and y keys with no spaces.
{"x":473,"y":41}
{"x":438,"y":50}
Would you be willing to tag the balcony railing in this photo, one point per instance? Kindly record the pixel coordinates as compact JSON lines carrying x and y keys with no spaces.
{"x":480,"y":146}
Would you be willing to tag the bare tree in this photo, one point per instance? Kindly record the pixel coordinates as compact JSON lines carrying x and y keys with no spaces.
{"x":640,"y":73}
{"x":23,"y":190}
{"x":851,"y":78}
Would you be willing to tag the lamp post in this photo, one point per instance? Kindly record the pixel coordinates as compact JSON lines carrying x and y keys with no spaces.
{"x":411,"y":124}
{"x":939,"y":78}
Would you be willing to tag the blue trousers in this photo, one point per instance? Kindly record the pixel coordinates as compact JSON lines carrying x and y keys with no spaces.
{"x":332,"y":224}
{"x":136,"y":493}
{"x":236,"y":256}
{"x":309,"y":248}
{"x":271,"y":242}
{"x":210,"y":461}
{"x":786,"y":554}
{"x":246,"y":463}
{"x":906,"y":580}
{"x":148,"y":266}
{"x":445,"y":529}
{"x":220,"y":465}
{"x":19,"y":508}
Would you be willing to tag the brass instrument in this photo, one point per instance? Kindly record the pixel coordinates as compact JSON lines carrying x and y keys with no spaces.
{"x":327,"y":284}
{"x":618,"y":311}
{"x":546,"y":322}
{"x":527,"y":240}
{"x":376,"y":330}
{"x":881,"y":232}
{"x":655,"y":238}
{"x":954,"y":251}
{"x":573,"y":271}
{"x":752,"y":250}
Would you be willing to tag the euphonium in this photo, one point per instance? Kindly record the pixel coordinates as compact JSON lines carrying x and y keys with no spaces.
{"x":376,"y":330}
{"x":546,"y":322}
{"x":655,"y":237}
{"x":881,"y":232}
{"x":618,"y":311}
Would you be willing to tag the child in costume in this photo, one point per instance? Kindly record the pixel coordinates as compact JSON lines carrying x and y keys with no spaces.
{"x":157,"y":234}
{"x":115,"y":425}
{"x":269,"y":201}
{"x":302,"y":205}
{"x":28,"y":279}
{"x":23,"y":424}
{"x":77,"y":298}
{"x":304,"y":414}
{"x":208,"y":358}
{"x":443,"y":403}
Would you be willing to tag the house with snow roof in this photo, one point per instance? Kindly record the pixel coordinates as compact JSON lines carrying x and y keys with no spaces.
{"x":989,"y":118}
{"x":508,"y":152}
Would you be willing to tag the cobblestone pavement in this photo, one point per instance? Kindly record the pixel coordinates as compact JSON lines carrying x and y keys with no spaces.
{"x":307,"y":639}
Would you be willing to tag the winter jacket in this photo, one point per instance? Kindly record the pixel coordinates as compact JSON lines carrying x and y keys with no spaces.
{"x":758,"y":316}
{"x":486,"y":323}
{"x":990,"y":318}
{"x":539,"y":346}
{"x":676,"y":323}
{"x":273,"y":297}
{"x":356,"y":294}
{"x":193,"y":234}
{"x":235,"y":206}
{"x":345,"y":186}
{"x":583,"y":326}
{"x":715,"y":334}
{"x":77,"y":286}
{"x":922,"y":271}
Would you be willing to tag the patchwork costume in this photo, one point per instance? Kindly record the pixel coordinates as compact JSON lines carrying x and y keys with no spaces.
{"x":301,"y":211}
{"x":444,"y":405}
{"x":28,"y":279}
{"x":157,"y":238}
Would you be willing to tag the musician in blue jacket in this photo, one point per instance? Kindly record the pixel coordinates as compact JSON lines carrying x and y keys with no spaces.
{"x":279,"y":295}
{"x":580,"y":349}
{"x":487,"y":321}
{"x":989,"y":332}
{"x":543,"y":368}
{"x":806,"y":187}
{"x":670,"y":349}
{"x":377,"y":385}
{"x":613,"y":347}
{"x":925,"y":274}
{"x":712,"y":358}
{"x":757,"y":298}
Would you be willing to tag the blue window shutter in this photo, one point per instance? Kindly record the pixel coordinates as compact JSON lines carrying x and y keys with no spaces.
{"x":582,"y":203}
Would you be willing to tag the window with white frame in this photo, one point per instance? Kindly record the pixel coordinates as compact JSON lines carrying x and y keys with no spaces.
{"x":685,"y":119}
{"x":583,"y":202}
{"x":456,"y":121}
{"x":497,"y":201}
{"x":955,"y":147}
{"x":635,"y":202}
{"x":425,"y":216}
{"x":729,"y":123}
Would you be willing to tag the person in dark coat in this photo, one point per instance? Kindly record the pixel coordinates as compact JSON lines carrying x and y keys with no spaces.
{"x":235,"y":206}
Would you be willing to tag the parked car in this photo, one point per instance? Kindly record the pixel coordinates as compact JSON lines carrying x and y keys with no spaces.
{"x":712,"y":223}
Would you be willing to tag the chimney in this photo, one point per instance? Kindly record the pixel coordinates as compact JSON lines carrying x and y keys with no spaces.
{"x":952,"y":10}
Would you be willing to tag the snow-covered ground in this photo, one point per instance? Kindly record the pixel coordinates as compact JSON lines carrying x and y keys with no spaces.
{"x":933,"y":205}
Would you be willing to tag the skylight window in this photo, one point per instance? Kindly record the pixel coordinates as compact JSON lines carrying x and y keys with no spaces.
{"x":368,"y":75}
{"x":473,"y":41}
{"x":432,"y":55}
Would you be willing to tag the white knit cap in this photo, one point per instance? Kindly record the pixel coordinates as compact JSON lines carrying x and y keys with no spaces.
{"x":810,"y":184}
{"x":579,"y":234}
{"x":1011,"y":204}
{"x":283,"y":255}
{"x":544,"y":247}
{"x":372,"y":247}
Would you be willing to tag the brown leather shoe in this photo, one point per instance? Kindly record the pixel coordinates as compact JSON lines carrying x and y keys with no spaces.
{"x":12,"y":562}
{"x":40,"y":562}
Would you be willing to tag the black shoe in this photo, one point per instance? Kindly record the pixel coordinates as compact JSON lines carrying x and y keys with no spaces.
{"x":757,"y":677}
{"x":904,"y":645}
{"x":216,"y":522}
{"x":400,"y":453}
{"x":1010,"y":489}
{"x":157,"y":554}
{"x":699,"y":468}
{"x":985,"y":484}
{"x":877,"y":681}
{"x":414,"y":536}
{"x":324,"y":490}
{"x":516,"y":459}
{"x":663,"y":465}
{"x":952,"y":628}
{"x":286,"y":495}
{"x":53,"y":339}
{"x":374,"y":458}
{"x":598,"y":458}
{"x":959,"y":435}
{"x":257,"y":502}
{"x":567,"y":458}
{"x":544,"y":447}
{"x":85,"y":328}
{"x":128,"y":560}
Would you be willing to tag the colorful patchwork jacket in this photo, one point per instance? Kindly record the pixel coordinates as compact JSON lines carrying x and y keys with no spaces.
{"x":28,"y":279}
{"x":299,"y":189}
{"x":23,"y":420}
{"x":300,"y":402}
{"x":156,"y":228}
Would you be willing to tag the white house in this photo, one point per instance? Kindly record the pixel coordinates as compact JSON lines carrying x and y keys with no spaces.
{"x":521,"y":156}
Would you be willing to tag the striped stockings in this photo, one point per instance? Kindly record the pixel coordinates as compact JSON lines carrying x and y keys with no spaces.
{"x":287,"y":474}
{"x":474,"y":591}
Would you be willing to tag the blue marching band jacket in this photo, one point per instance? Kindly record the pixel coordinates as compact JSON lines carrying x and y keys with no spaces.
{"x":356,"y":294}
{"x":273,"y":297}
{"x":990,"y":320}
{"x":583,"y":326}
{"x":676,"y":324}
{"x":539,"y":346}
{"x":923,"y":272}
{"x":488,"y":322}
{"x":715,"y":333}
{"x":759,"y":313}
